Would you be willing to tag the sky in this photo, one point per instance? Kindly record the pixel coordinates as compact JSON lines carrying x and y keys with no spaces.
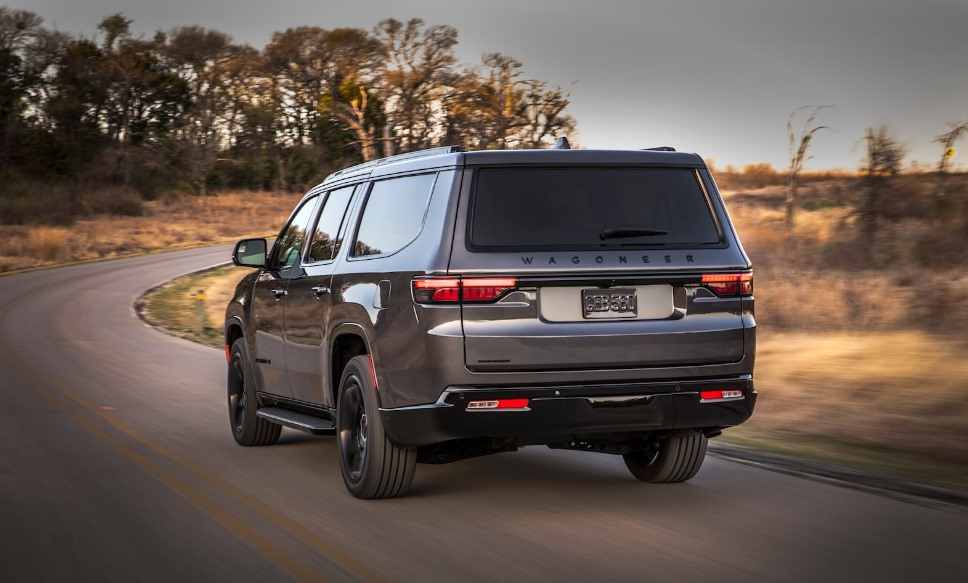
{"x":715,"y":77}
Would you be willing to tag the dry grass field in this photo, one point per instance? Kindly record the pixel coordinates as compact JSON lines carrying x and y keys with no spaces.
{"x":862,"y":356}
{"x":165,"y":225}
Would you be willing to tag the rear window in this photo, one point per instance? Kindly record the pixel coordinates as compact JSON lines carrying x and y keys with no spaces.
{"x":394,"y":214}
{"x":590,"y":208}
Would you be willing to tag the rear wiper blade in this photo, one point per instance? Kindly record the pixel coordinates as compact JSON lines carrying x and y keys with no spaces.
{"x":624,"y":233}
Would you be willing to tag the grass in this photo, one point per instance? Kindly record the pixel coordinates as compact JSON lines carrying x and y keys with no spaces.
{"x":175,"y":305}
{"x":165,"y":225}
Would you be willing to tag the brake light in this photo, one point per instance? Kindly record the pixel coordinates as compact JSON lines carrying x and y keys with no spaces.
{"x":443,"y":290}
{"x":729,"y":284}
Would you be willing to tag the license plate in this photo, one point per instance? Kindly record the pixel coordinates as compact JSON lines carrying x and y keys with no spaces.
{"x":609,"y":303}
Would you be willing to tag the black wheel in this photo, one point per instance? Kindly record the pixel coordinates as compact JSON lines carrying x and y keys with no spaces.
{"x":372,"y":466}
{"x":675,"y":460}
{"x":247,"y":428}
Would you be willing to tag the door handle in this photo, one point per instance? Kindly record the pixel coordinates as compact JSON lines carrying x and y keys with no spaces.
{"x":278,"y":292}
{"x":320,"y":290}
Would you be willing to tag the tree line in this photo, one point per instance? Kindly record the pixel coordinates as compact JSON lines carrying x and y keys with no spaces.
{"x":190,"y":109}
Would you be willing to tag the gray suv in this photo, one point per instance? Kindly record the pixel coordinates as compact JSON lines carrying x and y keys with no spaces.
{"x":440,"y":305}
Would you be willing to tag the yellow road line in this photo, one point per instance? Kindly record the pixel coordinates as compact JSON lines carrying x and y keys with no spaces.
{"x":256,"y":539}
{"x":325,"y":548}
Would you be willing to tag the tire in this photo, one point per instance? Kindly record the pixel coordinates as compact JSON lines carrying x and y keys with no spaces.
{"x":247,"y":427}
{"x":677,"y":459}
{"x":371,"y":465}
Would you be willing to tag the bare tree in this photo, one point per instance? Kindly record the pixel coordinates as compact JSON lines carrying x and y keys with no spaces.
{"x":799,"y":145}
{"x":883,"y":160}
{"x":416,"y":76}
{"x":947,"y":141}
{"x":494,"y":107}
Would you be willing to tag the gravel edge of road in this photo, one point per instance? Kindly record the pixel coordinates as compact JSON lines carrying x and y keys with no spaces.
{"x":879,"y":483}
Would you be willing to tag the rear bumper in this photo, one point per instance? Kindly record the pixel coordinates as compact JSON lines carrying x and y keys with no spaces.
{"x":558,"y":412}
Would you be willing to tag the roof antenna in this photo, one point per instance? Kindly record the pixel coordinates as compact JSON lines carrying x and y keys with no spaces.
{"x":561,"y":144}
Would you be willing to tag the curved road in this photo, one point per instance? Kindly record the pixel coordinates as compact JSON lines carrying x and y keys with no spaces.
{"x":117,"y":464}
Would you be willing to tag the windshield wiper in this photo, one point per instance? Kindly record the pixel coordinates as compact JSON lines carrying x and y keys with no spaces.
{"x":625,"y":233}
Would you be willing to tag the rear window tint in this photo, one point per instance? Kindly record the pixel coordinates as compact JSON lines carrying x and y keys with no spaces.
{"x":590,"y":208}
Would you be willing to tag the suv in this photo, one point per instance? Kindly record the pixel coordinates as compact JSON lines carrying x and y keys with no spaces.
{"x":442,"y":304}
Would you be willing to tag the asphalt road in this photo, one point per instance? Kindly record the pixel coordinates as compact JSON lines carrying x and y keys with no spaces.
{"x":117,"y":464}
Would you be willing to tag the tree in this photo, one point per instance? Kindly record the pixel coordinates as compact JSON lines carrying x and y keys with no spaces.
{"x":947,"y":141}
{"x":321,"y":73}
{"x":414,"y":82}
{"x":882,"y":161}
{"x":799,"y":145}
{"x":18,"y":28}
{"x":220,"y":78}
{"x":494,"y":107}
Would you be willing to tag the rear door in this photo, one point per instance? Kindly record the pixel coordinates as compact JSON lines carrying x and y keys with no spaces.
{"x":602,"y":268}
{"x":310,"y":300}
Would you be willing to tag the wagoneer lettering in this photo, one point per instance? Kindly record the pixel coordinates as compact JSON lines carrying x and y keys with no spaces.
{"x":442,"y":304}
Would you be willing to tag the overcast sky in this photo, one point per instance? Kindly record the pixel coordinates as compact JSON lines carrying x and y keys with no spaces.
{"x":716,"y":77}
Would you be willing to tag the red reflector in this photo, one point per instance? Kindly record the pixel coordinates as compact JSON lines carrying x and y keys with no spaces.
{"x":495,"y":404}
{"x":372,"y":370}
{"x":228,"y":353}
{"x":724,"y":395}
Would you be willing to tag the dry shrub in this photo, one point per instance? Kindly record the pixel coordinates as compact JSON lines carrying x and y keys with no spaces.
{"x":24,"y":203}
{"x":48,"y":244}
{"x":823,"y":275}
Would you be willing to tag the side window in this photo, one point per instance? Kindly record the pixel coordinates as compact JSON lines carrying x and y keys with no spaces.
{"x":286,"y":252}
{"x":394,"y":214}
{"x":326,"y":240}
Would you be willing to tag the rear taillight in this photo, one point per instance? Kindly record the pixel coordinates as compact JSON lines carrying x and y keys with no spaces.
{"x":448,"y":290}
{"x":436,"y":290}
{"x":729,"y":284}
{"x":485,"y":289}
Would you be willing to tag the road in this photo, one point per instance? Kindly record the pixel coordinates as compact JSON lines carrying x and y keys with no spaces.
{"x":117,"y":464}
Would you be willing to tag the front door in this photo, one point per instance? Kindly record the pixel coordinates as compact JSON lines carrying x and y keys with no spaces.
{"x":270,"y":297}
{"x":309,"y":301}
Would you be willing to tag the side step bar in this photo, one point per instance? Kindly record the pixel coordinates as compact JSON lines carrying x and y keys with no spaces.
{"x":296,"y":420}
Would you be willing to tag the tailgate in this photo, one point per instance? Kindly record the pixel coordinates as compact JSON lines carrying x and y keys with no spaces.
{"x":598,"y":324}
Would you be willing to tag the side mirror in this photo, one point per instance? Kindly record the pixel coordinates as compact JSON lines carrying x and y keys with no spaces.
{"x":250,"y":253}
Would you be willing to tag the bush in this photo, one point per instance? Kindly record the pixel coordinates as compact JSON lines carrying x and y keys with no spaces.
{"x":48,"y":243}
{"x":112,"y":200}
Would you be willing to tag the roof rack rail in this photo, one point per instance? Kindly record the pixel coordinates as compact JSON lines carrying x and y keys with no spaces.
{"x":661,"y":149}
{"x":396,"y":158}
{"x":419,"y":154}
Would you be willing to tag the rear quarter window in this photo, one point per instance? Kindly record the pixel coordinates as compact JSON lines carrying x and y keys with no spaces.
{"x":394,"y":214}
{"x":590,"y":208}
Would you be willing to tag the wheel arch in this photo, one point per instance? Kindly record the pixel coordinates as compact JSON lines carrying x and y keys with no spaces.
{"x":234,"y":330}
{"x":349,"y":341}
